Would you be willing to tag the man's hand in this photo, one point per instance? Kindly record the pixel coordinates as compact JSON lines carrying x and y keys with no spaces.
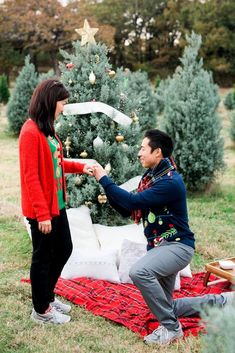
{"x":45,"y":226}
{"x":98,"y":171}
{"x":87,"y":169}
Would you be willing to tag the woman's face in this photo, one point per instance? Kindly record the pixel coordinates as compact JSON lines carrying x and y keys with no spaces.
{"x":60,"y":107}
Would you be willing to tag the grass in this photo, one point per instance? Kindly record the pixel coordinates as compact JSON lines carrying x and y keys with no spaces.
{"x":211,"y":218}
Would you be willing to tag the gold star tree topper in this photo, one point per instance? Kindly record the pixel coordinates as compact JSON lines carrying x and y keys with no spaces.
{"x":87,"y":33}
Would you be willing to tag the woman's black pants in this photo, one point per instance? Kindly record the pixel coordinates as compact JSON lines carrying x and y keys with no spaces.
{"x":50,"y":254}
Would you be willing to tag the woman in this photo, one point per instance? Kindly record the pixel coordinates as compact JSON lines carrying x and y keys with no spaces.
{"x":42,"y":169}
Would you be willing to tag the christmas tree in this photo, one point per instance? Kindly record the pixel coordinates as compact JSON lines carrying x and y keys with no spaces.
{"x":190,"y":117}
{"x":88,"y":75}
{"x":4,"y":90}
{"x":17,"y":110}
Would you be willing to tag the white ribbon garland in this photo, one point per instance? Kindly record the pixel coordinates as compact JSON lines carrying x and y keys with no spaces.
{"x":97,"y":107}
{"x":131,"y":184}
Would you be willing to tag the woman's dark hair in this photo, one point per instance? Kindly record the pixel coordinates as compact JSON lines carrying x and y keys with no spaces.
{"x":43,"y":104}
{"x":159,"y":139}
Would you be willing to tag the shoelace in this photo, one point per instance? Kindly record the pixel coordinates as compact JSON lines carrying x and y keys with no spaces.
{"x":158,"y":331}
{"x":161,"y":332}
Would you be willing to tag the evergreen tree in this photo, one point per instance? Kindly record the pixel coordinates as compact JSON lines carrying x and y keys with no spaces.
{"x":190,"y":118}
{"x":26,"y":82}
{"x":232,"y":129}
{"x":218,"y":339}
{"x":89,"y":76}
{"x":229,"y":100}
{"x":4,"y":91}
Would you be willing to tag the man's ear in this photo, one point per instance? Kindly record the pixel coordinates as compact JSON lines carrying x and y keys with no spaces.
{"x":158,"y":152}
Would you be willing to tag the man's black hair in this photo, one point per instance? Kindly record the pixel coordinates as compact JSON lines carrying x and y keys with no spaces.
{"x":159,"y":139}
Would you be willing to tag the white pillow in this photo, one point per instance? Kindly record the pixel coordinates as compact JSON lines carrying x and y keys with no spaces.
{"x":93,"y":263}
{"x":131,"y":252}
{"x":112,"y":237}
{"x":186,"y":272}
{"x":177,"y":282}
{"x":81,"y":228}
{"x":28,"y":228}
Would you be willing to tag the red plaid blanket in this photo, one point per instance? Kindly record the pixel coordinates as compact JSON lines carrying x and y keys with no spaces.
{"x":123,"y":303}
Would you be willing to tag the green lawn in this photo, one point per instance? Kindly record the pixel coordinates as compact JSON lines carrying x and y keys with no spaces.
{"x":211,"y":218}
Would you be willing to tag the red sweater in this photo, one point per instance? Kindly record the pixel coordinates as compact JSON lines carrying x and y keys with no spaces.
{"x":38,"y":185}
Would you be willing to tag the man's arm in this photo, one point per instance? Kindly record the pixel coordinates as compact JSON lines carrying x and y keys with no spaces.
{"x":163,"y":191}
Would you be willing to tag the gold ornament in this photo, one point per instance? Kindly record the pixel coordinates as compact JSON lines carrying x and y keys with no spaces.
{"x":92,"y":78}
{"x":97,"y":59}
{"x":119,"y":138}
{"x":78,"y":180}
{"x":102,"y":198}
{"x":134,"y":117}
{"x":83,"y":154}
{"x":87,"y":33}
{"x":67,"y":144}
{"x":88,"y":203}
{"x":111,"y":73}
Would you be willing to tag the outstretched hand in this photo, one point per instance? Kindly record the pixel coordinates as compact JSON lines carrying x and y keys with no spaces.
{"x":98,"y":171}
{"x":87,"y":169}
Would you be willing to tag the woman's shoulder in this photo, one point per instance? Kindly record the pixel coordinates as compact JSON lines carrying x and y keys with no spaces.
{"x":30,"y":126}
{"x":29,"y":132}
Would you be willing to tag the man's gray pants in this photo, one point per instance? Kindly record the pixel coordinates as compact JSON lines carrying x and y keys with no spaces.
{"x":154,"y":275}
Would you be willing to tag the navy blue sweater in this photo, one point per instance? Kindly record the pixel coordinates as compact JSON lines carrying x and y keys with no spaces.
{"x":163,"y":206}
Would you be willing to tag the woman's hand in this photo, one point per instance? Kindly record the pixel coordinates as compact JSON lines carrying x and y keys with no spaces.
{"x":87,"y":169}
{"x":98,"y":171}
{"x":45,"y":226}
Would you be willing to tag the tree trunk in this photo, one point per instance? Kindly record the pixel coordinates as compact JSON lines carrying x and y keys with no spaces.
{"x":54,"y":63}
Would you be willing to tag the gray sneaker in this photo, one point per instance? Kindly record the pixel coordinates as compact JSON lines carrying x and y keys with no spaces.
{"x":229,"y":297}
{"x":51,"y":316}
{"x":163,"y":336}
{"x":61,"y":307}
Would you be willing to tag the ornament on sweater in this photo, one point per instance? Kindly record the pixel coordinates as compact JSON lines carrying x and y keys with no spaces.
{"x":151,"y":217}
{"x":87,"y":33}
{"x":97,"y":107}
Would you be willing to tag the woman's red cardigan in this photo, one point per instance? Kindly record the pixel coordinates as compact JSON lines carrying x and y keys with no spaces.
{"x":38,"y":185}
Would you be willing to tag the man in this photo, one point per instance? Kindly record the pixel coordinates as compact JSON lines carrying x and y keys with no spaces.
{"x":161,"y":205}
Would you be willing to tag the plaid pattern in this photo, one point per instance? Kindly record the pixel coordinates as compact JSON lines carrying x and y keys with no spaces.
{"x":123,"y":303}
{"x":149,"y":178}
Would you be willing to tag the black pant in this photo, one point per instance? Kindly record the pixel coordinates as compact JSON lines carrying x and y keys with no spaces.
{"x":50,"y":254}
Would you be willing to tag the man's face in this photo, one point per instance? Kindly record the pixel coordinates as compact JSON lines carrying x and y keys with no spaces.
{"x":148,"y":158}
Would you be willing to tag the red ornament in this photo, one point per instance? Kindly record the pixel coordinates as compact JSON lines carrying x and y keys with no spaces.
{"x":70,"y":66}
